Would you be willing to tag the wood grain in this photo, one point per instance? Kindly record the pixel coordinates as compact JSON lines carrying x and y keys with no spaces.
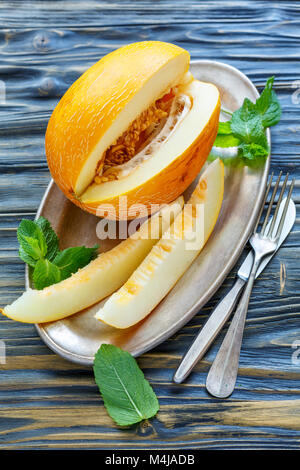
{"x":46,"y":402}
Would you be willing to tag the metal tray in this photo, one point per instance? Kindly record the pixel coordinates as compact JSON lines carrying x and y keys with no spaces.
{"x":77,"y":338}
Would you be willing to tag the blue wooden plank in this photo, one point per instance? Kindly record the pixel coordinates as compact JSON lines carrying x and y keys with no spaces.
{"x":46,"y":402}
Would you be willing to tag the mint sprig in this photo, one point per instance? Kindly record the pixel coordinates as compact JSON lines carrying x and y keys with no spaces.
{"x":32,"y":242}
{"x":268,"y":105}
{"x":72,"y":259}
{"x":39,"y":248}
{"x":246,"y":128}
{"x":50,"y":237}
{"x":45,"y":274}
{"x":127,"y":395}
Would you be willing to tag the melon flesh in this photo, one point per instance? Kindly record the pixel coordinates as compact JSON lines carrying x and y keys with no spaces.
{"x":171,"y":256}
{"x":204,"y":98}
{"x":95,"y":281}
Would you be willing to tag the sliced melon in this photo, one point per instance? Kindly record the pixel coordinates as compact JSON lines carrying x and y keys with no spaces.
{"x":171,"y":256}
{"x":113,"y":100}
{"x":201,"y":100}
{"x":100,"y":105}
{"x":95,"y":281}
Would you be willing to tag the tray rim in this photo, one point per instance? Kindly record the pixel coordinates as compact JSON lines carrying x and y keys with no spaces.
{"x":88,"y":360}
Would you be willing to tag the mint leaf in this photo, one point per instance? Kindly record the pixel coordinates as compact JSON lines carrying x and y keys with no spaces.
{"x":225,"y":137}
{"x":246,"y":129}
{"x":252,"y":151}
{"x":45,"y":274}
{"x":50,"y":237}
{"x":224,"y":128}
{"x":246,"y":124}
{"x":32,"y":242}
{"x":226,"y":140}
{"x":72,"y":259}
{"x":29,"y":251}
{"x":268,"y":106}
{"x":39,"y":248}
{"x":127,"y":395}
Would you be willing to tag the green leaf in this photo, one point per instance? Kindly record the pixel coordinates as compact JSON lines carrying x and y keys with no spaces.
{"x":128,"y":396}
{"x":252,"y":151}
{"x":226,"y":140}
{"x":39,"y":248}
{"x":45,"y":274}
{"x":31,"y":247}
{"x":246,"y":129}
{"x":32,"y":242}
{"x":72,"y":259}
{"x":246,"y":124}
{"x":224,"y":128}
{"x":51,"y":238}
{"x":268,"y":106}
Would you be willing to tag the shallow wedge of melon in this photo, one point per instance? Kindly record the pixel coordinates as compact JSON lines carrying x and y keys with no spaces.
{"x":95,"y":281}
{"x":171,"y":256}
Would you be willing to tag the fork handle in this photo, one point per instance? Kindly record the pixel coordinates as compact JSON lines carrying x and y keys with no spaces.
{"x":222,"y":375}
{"x":209,"y":332}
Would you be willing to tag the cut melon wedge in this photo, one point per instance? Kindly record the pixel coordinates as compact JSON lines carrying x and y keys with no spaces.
{"x":95,"y":281}
{"x":102,"y":106}
{"x":174,"y":164}
{"x":171,"y":256}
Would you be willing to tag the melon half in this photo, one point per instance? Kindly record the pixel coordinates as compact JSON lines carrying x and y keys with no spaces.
{"x":136,"y":124}
{"x":171,"y":256}
{"x":95,"y":281}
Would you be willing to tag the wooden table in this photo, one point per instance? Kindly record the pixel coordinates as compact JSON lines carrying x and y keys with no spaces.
{"x":47,"y":402}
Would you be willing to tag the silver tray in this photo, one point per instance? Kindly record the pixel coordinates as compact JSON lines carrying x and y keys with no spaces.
{"x":77,"y":338}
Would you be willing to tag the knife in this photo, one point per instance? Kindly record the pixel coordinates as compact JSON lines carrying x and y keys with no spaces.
{"x":223,"y":310}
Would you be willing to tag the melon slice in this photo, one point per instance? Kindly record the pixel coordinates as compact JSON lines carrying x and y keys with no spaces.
{"x":95,"y":281}
{"x":171,"y":256}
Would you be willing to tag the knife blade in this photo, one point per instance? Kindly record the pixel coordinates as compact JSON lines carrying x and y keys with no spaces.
{"x":223,"y":310}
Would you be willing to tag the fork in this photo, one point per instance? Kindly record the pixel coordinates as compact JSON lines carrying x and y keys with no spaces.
{"x":222,"y":376}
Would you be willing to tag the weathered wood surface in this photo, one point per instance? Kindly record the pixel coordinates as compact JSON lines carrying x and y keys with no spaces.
{"x":46,"y":402}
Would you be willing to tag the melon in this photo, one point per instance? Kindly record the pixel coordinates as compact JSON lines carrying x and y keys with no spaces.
{"x":171,"y":256}
{"x":137,"y":125}
{"x":95,"y":281}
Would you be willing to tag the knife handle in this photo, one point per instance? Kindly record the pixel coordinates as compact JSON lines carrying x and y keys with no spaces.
{"x":209,"y":332}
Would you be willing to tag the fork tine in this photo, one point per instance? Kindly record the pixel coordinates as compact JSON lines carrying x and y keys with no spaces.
{"x":282,"y":219}
{"x":263,"y":203}
{"x":271,"y":204}
{"x":270,"y":231}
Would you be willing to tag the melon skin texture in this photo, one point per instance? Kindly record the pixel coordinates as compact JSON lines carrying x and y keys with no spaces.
{"x":171,"y":256}
{"x":95,"y":281}
{"x":100,"y":106}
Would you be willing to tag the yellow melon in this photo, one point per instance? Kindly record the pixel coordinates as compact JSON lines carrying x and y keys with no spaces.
{"x":95,"y":281}
{"x":100,"y":121}
{"x":171,"y":256}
